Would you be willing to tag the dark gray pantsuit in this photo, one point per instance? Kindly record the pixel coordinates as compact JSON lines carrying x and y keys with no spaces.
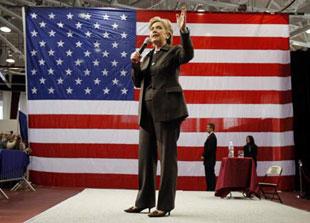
{"x":157,"y":139}
{"x":161,"y":110}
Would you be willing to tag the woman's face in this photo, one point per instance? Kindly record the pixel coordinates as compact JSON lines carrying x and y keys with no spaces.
{"x":158,"y":34}
{"x":247,"y":140}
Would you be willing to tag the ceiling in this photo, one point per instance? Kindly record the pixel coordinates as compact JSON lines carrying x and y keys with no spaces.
{"x":13,"y":43}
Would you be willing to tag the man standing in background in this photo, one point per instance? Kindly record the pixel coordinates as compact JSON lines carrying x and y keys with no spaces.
{"x":209,"y":157}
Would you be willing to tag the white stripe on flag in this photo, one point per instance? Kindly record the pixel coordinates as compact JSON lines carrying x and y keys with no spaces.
{"x":239,"y":56}
{"x":94,"y":107}
{"x":226,"y":30}
{"x":130,"y":136}
{"x":235,"y":83}
{"x":130,"y":166}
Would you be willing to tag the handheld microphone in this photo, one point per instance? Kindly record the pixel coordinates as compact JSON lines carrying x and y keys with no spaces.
{"x":146,"y":41}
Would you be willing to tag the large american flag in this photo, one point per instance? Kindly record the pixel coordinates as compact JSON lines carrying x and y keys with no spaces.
{"x":83,"y":108}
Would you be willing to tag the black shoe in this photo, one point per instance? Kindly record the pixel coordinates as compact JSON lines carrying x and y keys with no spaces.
{"x":158,"y":213}
{"x":135,"y":210}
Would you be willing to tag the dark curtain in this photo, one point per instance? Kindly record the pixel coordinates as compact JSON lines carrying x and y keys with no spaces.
{"x":300,"y":69}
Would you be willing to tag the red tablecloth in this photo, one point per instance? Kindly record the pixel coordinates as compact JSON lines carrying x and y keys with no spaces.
{"x":237,"y":174}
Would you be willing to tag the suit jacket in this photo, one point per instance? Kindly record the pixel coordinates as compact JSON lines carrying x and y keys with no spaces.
{"x":168,"y":99}
{"x":209,"y":152}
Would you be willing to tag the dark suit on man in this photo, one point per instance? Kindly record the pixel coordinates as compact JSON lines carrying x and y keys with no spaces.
{"x":161,"y":110}
{"x":209,"y":161}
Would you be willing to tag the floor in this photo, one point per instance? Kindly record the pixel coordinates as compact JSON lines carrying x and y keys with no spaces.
{"x":23,"y":205}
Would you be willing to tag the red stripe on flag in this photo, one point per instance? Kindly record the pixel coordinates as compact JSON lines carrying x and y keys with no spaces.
{"x":128,"y":181}
{"x":130,"y":122}
{"x":235,"y":69}
{"x":219,"y":18}
{"x":123,"y":151}
{"x":252,"y":43}
{"x":234,"y":97}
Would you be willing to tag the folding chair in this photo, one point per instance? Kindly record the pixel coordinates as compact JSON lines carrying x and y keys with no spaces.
{"x":266,"y":188}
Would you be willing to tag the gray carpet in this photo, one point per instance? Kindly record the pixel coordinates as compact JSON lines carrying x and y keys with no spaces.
{"x":103,"y":205}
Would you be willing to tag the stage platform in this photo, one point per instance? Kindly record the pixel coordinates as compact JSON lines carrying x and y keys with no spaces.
{"x":104,"y":205}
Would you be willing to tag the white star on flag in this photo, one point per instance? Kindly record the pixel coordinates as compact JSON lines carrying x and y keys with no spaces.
{"x":115,"y":81}
{"x":105,"y":17}
{"x":42,"y":62}
{"x":60,"y":81}
{"x":69,"y":53}
{"x":68,"y":72}
{"x":105,"y":53}
{"x":87,"y":53}
{"x":78,"y":25}
{"x":87,"y":90}
{"x":96,"y":63}
{"x":69,"y":16}
{"x":106,"y":35}
{"x":51,"y":90}
{"x":106,"y":90}
{"x":34,"y":90}
{"x":124,"y":91}
{"x":60,"y":25}
{"x":51,"y":52}
{"x":114,"y":63}
{"x":69,"y":34}
{"x":87,"y":72}
{"x":42,"y":80}
{"x":115,"y":26}
{"x":52,"y":33}
{"x":114,"y":44}
{"x":78,"y":62}
{"x":123,"y":17}
{"x":123,"y":54}
{"x":97,"y":25}
{"x":97,"y":81}
{"x":88,"y":34}
{"x":33,"y":15}
{"x":69,"y":90}
{"x":42,"y":24}
{"x":123,"y":72}
{"x":60,"y":43}
{"x":78,"y":81}
{"x":51,"y":16}
{"x":105,"y":72}
{"x":59,"y":61}
{"x":42,"y":43}
{"x":33,"y":52}
{"x":124,"y":35}
{"x":34,"y":33}
{"x":78,"y":44}
{"x":50,"y":71}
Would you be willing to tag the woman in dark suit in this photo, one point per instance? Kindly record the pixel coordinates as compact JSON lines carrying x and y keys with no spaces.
{"x":250,"y":149}
{"x":162,"y":108}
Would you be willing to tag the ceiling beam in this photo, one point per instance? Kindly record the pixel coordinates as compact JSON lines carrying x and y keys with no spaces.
{"x":59,"y":3}
{"x":299,"y":31}
{"x":11,"y":25}
{"x":299,"y":43}
{"x":11,"y":13}
{"x":11,"y":46}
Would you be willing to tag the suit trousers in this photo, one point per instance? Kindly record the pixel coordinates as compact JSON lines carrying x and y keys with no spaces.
{"x":157,"y":140}
{"x":210,"y":175}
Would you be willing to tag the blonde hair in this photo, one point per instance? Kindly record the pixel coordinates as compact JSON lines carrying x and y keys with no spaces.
{"x":167,"y":25}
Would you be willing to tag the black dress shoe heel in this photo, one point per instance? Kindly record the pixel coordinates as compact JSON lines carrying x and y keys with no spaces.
{"x":159,"y":213}
{"x":136,"y":210}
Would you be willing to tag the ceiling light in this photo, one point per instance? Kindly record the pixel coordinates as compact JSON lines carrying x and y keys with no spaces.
{"x":308,"y":31}
{"x":10,"y":60}
{"x":199,"y":8}
{"x":5,"y":29}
